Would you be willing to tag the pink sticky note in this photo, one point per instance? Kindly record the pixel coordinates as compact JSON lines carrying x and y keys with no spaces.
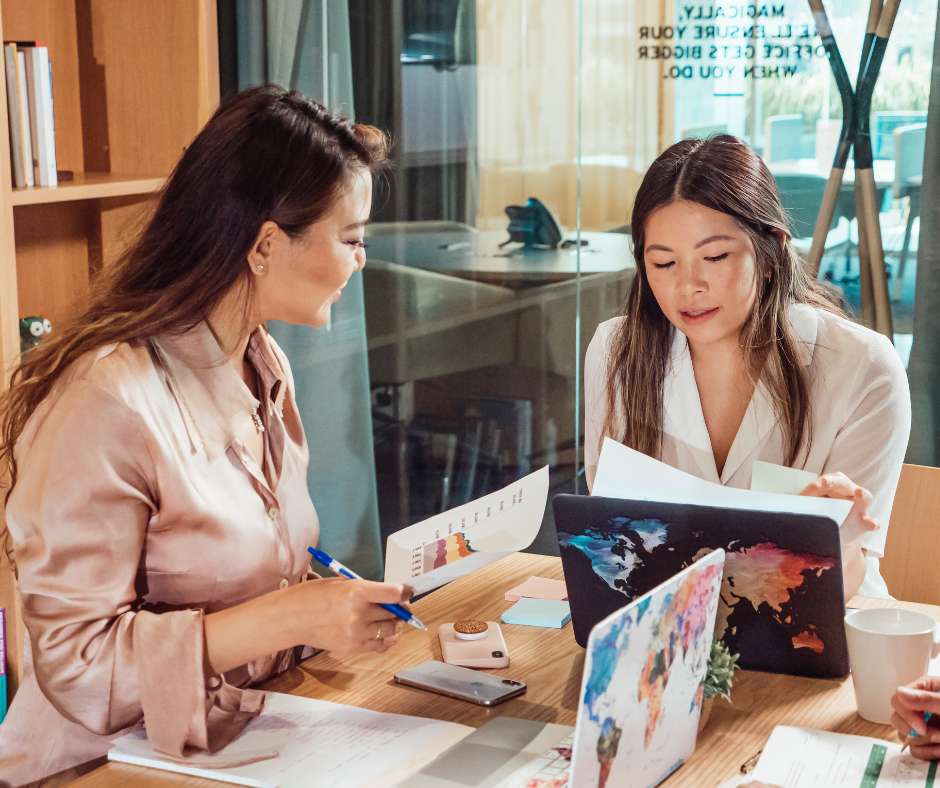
{"x":538,"y":588}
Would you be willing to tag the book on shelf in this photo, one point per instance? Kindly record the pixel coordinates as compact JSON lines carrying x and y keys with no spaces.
{"x":24,"y":116}
{"x":13,"y":114}
{"x":41,"y":115}
{"x":30,"y":112}
{"x":3,"y":664}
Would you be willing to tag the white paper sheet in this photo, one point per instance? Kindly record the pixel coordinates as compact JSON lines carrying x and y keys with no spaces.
{"x":768,"y":477}
{"x":804,"y":758}
{"x":625,"y":473}
{"x":442,"y":548}
{"x":317,"y":744}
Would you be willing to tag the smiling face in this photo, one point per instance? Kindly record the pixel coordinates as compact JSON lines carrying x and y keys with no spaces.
{"x":300,"y":279}
{"x":702,"y":269}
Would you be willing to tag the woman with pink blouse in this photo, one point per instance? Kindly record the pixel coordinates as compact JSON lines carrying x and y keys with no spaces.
{"x":159,"y":513}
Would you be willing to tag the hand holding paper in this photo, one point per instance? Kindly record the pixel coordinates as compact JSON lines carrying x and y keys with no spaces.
{"x":625,"y":473}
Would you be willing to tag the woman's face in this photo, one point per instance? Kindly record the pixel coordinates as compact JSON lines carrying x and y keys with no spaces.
{"x":303,"y":278}
{"x":702,"y":270}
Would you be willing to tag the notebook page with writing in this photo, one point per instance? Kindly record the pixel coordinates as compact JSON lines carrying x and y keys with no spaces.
{"x":820,"y":759}
{"x":302,"y":741}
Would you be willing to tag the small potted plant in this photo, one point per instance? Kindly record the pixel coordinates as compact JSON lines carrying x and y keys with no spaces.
{"x":721,"y":667}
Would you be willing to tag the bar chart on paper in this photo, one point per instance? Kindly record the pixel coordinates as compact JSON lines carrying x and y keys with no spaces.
{"x":452,"y":544}
{"x":444,"y":551}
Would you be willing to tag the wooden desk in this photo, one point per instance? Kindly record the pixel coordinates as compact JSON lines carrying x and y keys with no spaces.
{"x":551,"y":663}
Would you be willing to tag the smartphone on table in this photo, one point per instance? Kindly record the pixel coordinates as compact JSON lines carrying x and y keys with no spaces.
{"x":463,"y":683}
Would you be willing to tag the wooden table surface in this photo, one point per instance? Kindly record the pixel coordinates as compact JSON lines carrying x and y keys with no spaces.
{"x":551,"y":663}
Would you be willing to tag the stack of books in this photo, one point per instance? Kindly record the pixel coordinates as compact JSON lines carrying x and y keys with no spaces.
{"x":29,"y":106}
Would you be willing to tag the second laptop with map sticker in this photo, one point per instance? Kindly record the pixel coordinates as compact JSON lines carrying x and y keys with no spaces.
{"x":782,"y":600}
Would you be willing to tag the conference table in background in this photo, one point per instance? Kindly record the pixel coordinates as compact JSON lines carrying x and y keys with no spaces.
{"x":478,"y":255}
{"x":457,"y":326}
{"x":550,"y":663}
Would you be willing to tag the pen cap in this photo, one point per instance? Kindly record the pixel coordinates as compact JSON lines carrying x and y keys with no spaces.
{"x":320,"y":556}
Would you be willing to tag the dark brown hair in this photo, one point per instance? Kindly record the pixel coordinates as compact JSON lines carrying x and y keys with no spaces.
{"x":265,"y":155}
{"x":724,"y":174}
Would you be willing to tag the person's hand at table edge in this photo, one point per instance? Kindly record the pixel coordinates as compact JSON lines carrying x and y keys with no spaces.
{"x":910,"y":704}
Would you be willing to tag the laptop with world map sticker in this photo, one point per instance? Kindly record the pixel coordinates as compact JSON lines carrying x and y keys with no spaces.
{"x":782,"y":601}
{"x":644,"y":676}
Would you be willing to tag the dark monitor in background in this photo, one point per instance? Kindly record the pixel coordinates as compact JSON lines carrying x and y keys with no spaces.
{"x":430,"y":33}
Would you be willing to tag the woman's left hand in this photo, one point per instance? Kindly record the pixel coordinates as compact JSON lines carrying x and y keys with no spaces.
{"x":857,"y":524}
{"x":838,"y":485}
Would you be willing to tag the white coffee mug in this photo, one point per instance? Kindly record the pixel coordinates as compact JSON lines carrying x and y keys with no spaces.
{"x":888,"y":648}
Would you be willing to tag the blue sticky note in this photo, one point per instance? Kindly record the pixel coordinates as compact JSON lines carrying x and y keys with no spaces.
{"x":538,"y":613}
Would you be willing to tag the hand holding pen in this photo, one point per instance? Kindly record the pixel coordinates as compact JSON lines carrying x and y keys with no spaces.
{"x":403,"y":613}
{"x":914,"y":705}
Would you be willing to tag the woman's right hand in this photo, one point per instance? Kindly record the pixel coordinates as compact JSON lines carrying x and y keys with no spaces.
{"x":910,"y":704}
{"x":336,"y":614}
{"x":345,"y":616}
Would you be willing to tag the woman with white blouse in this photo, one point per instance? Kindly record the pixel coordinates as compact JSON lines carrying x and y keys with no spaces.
{"x":159,"y":512}
{"x":728,"y":352}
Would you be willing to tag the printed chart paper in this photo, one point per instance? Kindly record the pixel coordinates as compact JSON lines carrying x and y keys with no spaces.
{"x":302,"y":741}
{"x":442,"y":548}
{"x":625,"y":473}
{"x":804,"y":758}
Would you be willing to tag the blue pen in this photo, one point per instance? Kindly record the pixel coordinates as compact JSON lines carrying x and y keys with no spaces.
{"x":405,"y":615}
{"x":913,"y":733}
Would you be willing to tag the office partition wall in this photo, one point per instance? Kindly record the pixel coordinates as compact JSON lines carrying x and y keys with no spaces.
{"x":500,"y":240}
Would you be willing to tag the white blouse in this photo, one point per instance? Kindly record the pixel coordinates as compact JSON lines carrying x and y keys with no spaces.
{"x":861,"y":416}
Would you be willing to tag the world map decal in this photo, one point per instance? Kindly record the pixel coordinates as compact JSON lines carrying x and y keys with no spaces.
{"x":780,"y":605}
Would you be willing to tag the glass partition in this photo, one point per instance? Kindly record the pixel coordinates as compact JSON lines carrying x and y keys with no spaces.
{"x":518,"y":129}
{"x":471,"y":328}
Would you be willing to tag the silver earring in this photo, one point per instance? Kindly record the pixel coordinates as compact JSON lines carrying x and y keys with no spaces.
{"x":260,"y":268}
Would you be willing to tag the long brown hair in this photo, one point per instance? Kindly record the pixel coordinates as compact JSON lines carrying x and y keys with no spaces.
{"x":724,"y":174}
{"x":265,"y":155}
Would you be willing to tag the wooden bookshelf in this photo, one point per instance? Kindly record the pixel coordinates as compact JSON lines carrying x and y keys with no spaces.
{"x":133,"y":83}
{"x":88,"y":186}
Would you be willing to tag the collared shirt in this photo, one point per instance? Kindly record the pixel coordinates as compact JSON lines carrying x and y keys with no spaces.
{"x":137,"y":510}
{"x":861,"y":408}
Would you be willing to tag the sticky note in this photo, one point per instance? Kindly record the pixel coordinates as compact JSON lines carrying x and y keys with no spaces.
{"x":769,"y":478}
{"x":538,"y":613}
{"x":538,"y":588}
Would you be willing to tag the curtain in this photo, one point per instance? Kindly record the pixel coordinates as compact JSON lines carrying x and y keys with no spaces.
{"x":924,"y":367}
{"x":528,"y":107}
{"x":304,"y":45}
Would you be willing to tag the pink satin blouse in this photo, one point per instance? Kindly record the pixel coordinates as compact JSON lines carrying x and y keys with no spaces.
{"x":137,"y":511}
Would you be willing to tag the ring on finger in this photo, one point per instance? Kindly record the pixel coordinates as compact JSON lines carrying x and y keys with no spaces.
{"x":378,"y":635}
